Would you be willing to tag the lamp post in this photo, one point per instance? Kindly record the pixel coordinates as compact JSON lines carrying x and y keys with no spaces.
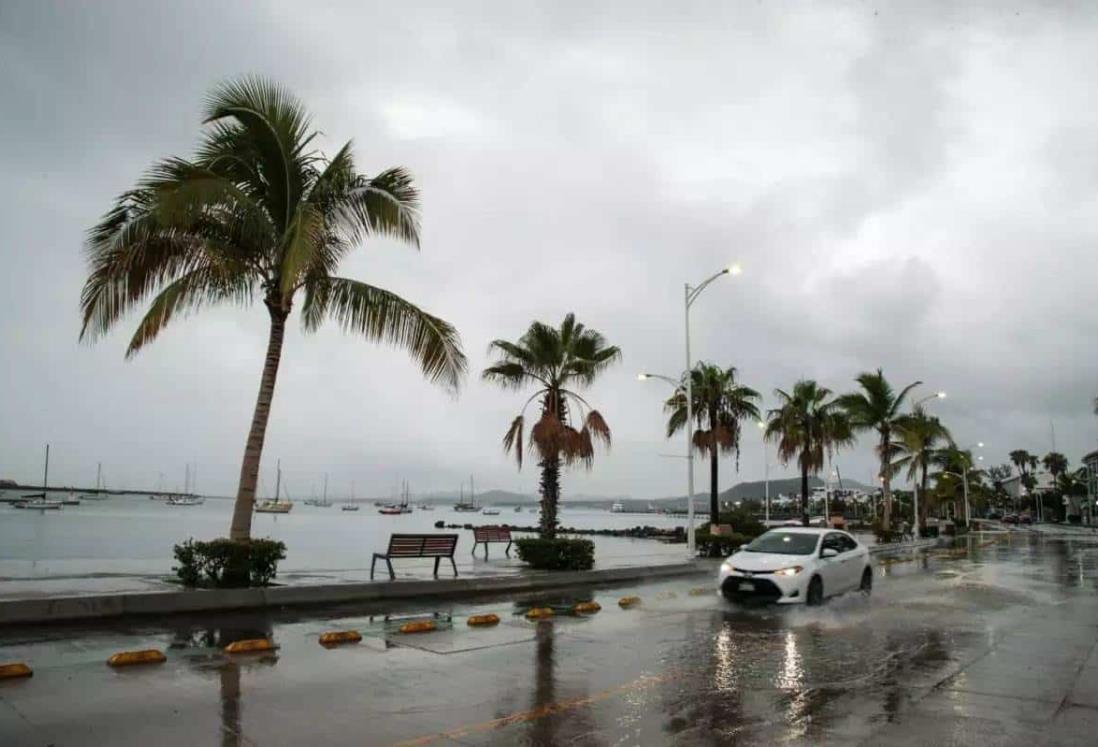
{"x":766,"y":473}
{"x":690,"y":294}
{"x":915,"y":485}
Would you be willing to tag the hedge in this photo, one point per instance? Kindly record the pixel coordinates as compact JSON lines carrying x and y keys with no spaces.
{"x":557,"y":554}
{"x":226,"y":563}
{"x":719,"y":545}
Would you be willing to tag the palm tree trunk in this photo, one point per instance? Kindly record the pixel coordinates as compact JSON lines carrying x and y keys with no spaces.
{"x":550,"y":496}
{"x":804,"y":494}
{"x":886,"y":484}
{"x":714,"y":508}
{"x":924,"y":500}
{"x":241,"y":528}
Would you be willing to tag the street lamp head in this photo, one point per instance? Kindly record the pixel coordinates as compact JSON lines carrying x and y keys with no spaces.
{"x":733,"y":269}
{"x":941,"y":395}
{"x":980,"y":445}
{"x":761,"y":424}
{"x":642,"y":376}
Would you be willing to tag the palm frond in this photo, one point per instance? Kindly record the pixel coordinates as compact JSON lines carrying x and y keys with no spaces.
{"x":302,"y":244}
{"x":598,"y":428}
{"x":387,"y":204}
{"x":512,"y":439}
{"x":382,"y":316}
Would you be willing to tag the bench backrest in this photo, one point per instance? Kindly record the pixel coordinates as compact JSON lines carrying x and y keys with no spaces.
{"x":492,"y":534}
{"x":422,"y":545}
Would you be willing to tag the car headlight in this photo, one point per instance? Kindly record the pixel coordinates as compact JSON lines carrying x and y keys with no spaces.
{"x":791,"y":571}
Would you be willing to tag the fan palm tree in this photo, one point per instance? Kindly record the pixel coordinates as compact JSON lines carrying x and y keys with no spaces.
{"x":920,"y":437}
{"x":259,"y":212}
{"x":556,"y":361}
{"x":720,"y":403}
{"x":808,"y":425}
{"x":877,"y":408}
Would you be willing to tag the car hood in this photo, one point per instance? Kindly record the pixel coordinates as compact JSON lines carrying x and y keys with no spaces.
{"x":764,"y":561}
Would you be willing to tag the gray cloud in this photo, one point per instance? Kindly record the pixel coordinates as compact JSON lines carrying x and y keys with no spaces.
{"x":907,"y":187}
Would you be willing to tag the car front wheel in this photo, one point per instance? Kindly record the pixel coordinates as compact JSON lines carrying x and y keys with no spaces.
{"x":866,"y":586}
{"x":815,"y":592}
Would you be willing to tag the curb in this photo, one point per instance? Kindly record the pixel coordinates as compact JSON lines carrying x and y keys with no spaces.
{"x":903,"y":546}
{"x":105,"y":606}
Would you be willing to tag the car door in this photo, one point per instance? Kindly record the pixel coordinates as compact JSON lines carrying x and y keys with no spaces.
{"x":851,"y":561}
{"x":831,"y":569}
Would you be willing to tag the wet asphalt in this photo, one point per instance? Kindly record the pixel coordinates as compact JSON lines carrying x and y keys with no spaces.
{"x":993,"y":643}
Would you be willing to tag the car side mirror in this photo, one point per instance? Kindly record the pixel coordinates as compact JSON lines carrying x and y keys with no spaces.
{"x":828,"y":552}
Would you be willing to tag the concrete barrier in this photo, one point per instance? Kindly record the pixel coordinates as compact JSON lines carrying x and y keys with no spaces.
{"x":105,"y":606}
{"x":130,"y":658}
{"x":338,"y":637}
{"x":15,"y":670}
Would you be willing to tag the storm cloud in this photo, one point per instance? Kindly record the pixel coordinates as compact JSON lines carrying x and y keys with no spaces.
{"x":907,"y":186}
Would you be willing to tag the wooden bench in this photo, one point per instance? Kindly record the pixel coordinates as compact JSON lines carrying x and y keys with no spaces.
{"x":484,"y":535}
{"x":437,"y":546}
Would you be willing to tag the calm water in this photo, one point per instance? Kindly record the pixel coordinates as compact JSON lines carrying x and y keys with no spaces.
{"x":134,"y":535}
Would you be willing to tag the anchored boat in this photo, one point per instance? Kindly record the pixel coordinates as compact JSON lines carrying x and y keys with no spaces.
{"x":276,"y":506}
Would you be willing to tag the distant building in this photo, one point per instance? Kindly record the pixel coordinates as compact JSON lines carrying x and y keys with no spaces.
{"x":1042,"y":481}
{"x":1090,"y":462}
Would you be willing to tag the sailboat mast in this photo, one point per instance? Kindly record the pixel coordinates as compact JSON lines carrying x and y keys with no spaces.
{"x":98,"y":476}
{"x":278,"y":481}
{"x":46,"y":473}
{"x":325,"y":486}
{"x":472,"y":492}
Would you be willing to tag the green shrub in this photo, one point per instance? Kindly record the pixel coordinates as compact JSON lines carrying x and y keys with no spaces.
{"x":719,"y":545}
{"x":224,"y":563}
{"x":742,"y":522}
{"x":885,"y":536}
{"x":557,"y":554}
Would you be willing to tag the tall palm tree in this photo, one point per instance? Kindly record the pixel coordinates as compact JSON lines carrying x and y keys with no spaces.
{"x":720,"y":403}
{"x":877,"y":407}
{"x":556,"y":361}
{"x":259,"y":212}
{"x":808,"y":425}
{"x":920,"y":437}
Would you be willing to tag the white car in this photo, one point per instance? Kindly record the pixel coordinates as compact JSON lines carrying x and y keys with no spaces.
{"x":796,"y":564}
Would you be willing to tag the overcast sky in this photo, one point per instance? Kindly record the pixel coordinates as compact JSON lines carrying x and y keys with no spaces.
{"x":906,"y":185}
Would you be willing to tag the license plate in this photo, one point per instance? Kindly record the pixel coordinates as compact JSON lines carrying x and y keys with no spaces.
{"x":747,"y":586}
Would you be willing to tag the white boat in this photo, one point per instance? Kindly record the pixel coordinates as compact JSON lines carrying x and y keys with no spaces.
{"x":394,"y":509}
{"x":188,"y":496}
{"x":37,"y":501}
{"x":490,"y":511}
{"x":617,"y":508}
{"x":72,"y":500}
{"x":350,"y":506}
{"x":275,"y":506}
{"x":323,"y":502}
{"x":100,"y":493}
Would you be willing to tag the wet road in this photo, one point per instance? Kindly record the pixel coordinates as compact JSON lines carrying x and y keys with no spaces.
{"x":994,"y":644}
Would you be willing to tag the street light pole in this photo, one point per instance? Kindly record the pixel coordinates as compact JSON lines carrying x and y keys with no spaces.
{"x":766,"y":473}
{"x":964,"y":469}
{"x":689,"y":296}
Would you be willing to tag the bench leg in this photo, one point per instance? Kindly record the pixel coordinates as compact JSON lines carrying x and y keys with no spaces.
{"x":392,"y":575}
{"x":372,"y":564}
{"x":507,"y":551}
{"x":474,"y":552}
{"x":455,"y":565}
{"x":436,"y":566}
{"x":485,"y":550}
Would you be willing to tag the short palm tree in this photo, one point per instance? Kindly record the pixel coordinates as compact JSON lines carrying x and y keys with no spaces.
{"x":953,"y":465}
{"x":877,"y":407}
{"x":556,"y":361}
{"x":920,"y":437}
{"x":259,"y":212}
{"x":809,"y":425}
{"x":719,"y":404}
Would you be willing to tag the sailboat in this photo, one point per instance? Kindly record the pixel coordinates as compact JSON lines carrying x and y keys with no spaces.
{"x":100,"y":493}
{"x":38,"y":501}
{"x":275,"y":506}
{"x":323,"y":502}
{"x":394,"y":509}
{"x":187,"y":497}
{"x":350,"y":505}
{"x":471,"y":506}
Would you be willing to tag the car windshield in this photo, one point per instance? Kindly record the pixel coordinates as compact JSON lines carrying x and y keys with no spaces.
{"x":783,"y":543}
